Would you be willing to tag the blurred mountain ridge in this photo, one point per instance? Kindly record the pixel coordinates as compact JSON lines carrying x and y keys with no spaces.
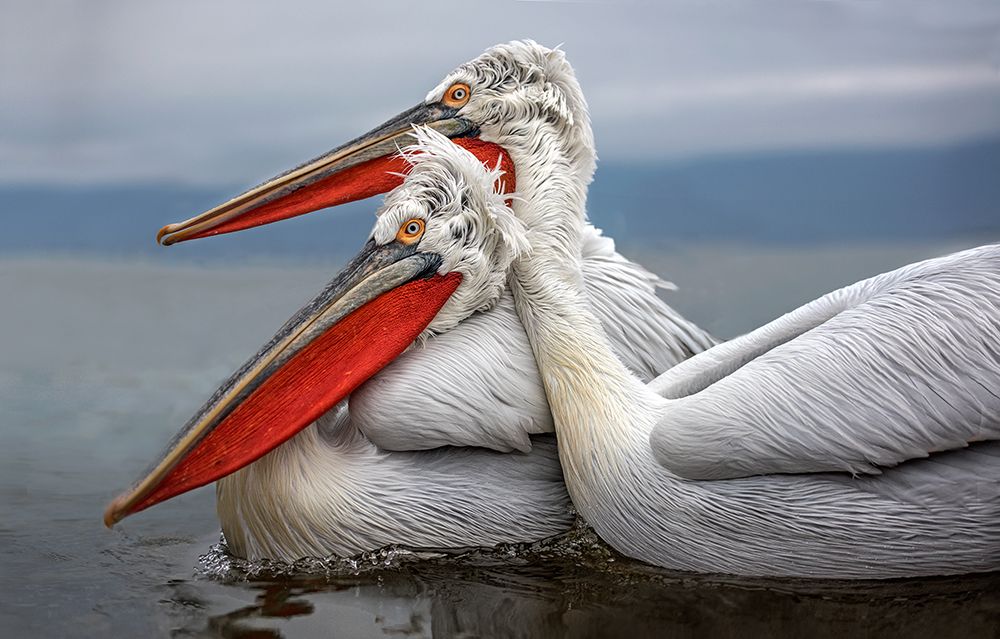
{"x":802,"y":197}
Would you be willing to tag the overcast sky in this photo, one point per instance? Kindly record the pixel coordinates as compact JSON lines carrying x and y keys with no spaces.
{"x":226,"y":92}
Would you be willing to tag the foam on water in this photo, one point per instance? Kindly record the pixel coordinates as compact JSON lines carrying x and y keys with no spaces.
{"x":579,"y":545}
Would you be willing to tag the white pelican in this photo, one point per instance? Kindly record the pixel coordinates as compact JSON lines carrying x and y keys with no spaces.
{"x":518,"y":104}
{"x":855,"y":437}
{"x":437,"y":255}
{"x":868,"y":380}
{"x":873,"y":410}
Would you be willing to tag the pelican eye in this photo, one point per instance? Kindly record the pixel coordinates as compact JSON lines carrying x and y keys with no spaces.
{"x":410,"y":231}
{"x":457,"y":95}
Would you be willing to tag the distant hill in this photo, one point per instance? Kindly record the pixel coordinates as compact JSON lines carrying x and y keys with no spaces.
{"x":802,"y":197}
{"x":807,"y":197}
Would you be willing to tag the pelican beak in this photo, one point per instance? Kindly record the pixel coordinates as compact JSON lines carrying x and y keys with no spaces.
{"x":361,"y":168}
{"x":369,"y":314}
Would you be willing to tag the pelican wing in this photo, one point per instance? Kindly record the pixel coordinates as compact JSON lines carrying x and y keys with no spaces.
{"x":892,"y":368}
{"x":475,"y":385}
{"x":478,"y":384}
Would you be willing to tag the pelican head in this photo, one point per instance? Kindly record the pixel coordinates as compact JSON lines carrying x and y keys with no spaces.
{"x":440,"y":251}
{"x":518,"y":94}
{"x":519,"y":101}
{"x":454,"y":208}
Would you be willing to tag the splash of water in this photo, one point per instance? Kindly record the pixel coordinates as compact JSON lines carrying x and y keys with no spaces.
{"x":580,"y":546}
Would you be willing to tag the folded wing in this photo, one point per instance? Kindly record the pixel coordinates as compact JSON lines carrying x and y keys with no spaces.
{"x":893,"y":368}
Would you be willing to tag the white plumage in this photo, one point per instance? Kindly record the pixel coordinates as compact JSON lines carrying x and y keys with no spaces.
{"x":889,"y":369}
{"x":330,"y":491}
{"x":920,"y":332}
{"x":934,"y":516}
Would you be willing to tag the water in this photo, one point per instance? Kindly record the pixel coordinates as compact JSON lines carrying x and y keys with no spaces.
{"x":103,"y":360}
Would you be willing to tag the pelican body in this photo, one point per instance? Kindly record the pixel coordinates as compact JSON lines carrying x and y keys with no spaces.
{"x":890,"y":381}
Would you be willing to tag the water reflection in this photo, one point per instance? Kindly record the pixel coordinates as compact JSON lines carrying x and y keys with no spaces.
{"x":588,"y":593}
{"x":276,"y":601}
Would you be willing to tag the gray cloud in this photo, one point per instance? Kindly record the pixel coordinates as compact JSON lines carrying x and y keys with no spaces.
{"x":229,"y":92}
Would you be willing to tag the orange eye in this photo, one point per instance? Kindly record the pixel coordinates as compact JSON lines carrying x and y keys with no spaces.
{"x":410,"y":231}
{"x":457,"y":95}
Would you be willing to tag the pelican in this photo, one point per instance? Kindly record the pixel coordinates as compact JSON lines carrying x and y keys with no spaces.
{"x":852,"y":438}
{"x":855,"y":437}
{"x":518,"y":104}
{"x":438,"y":255}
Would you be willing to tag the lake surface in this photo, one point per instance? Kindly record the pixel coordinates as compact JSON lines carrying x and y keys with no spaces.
{"x":101,"y":361}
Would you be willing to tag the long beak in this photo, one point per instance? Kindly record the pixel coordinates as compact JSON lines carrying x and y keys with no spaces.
{"x":362,"y":320}
{"x":361,"y":168}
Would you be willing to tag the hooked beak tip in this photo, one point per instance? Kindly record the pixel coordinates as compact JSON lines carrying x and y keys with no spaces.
{"x":113,"y":513}
{"x":161,"y":235}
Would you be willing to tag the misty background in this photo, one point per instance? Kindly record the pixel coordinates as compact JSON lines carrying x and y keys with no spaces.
{"x":790,"y":123}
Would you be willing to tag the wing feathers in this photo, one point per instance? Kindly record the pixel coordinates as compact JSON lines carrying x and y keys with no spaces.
{"x":893,"y":368}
